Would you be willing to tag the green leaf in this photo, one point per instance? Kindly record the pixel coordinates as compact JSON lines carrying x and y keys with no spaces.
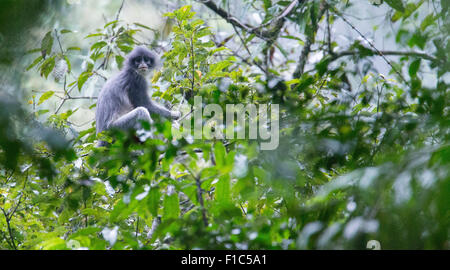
{"x":322,"y":66}
{"x":219,"y":66}
{"x":45,"y":96}
{"x":184,"y":13}
{"x":119,"y":60}
{"x":83,"y":78}
{"x":95,"y":35}
{"x":429,"y":20}
{"x":363,"y":51}
{"x":197,"y":22}
{"x":124,"y":48}
{"x":65,"y":31}
{"x":418,"y":39}
{"x":396,"y":4}
{"x":41,"y":112}
{"x":35,"y":62}
{"x":89,"y":212}
{"x":98,"y":45}
{"x":110,"y":23}
{"x":153,"y":199}
{"x":74,"y":49}
{"x":215,"y":50}
{"x":300,"y":41}
{"x":55,"y":243}
{"x":85,"y":232}
{"x":414,"y":67}
{"x":144,"y":26}
{"x":47,"y":44}
{"x":223,"y":193}
{"x":202,"y":33}
{"x":69,"y":65}
{"x":33,"y":51}
{"x":47,"y":66}
{"x":171,"y":207}
{"x":219,"y":154}
{"x":121,"y":210}
{"x":98,"y":188}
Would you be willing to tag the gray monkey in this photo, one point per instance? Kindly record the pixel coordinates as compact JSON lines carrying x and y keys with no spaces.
{"x":123,"y":101}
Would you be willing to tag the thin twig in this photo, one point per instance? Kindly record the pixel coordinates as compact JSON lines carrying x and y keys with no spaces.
{"x":200,"y":200}
{"x":10,"y":176}
{"x":231,"y":19}
{"x":70,"y":97}
{"x":371,"y":45}
{"x":80,"y":125}
{"x":309,"y":42}
{"x":248,"y":51}
{"x":199,"y":194}
{"x":120,"y":10}
{"x":193,"y":64}
{"x":137,"y":226}
{"x":59,"y":42}
{"x":11,"y":237}
{"x":281,"y":16}
{"x":398,"y":53}
{"x":330,"y":49}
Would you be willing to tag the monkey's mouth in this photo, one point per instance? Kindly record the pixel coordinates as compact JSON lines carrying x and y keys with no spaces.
{"x":143,"y":71}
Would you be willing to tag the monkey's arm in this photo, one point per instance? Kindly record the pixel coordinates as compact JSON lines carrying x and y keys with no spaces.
{"x":131,"y":119}
{"x":153,"y":107}
{"x":142,"y":99}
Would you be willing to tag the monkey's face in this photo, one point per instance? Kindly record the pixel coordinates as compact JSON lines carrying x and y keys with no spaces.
{"x":143,"y":64}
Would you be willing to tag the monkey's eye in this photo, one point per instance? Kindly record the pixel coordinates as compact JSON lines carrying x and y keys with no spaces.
{"x":148,"y":60}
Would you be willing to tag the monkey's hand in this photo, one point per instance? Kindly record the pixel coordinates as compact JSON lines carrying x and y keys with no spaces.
{"x":175,"y":115}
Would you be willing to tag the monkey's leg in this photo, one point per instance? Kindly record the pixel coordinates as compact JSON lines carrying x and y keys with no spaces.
{"x":132,"y":119}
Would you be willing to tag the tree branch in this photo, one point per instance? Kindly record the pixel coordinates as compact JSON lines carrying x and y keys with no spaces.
{"x":120,"y":10}
{"x":371,"y":45}
{"x":200,"y":200}
{"x":229,"y":18}
{"x":8,"y":219}
{"x":257,"y":31}
{"x":395,"y":53}
{"x":282,"y":15}
{"x":309,"y":42}
{"x":248,"y":62}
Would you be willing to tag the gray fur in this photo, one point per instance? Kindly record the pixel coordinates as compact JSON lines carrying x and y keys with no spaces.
{"x":123,"y":100}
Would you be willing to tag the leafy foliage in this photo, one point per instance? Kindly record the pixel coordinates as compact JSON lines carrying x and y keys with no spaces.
{"x":352,"y":164}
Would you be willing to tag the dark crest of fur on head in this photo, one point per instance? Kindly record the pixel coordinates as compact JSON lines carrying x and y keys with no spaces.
{"x":138,"y":52}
